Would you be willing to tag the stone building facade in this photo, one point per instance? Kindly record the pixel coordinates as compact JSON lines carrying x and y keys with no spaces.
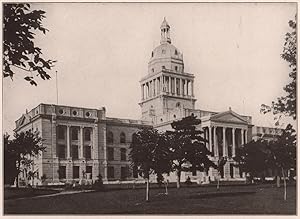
{"x":82,"y":143}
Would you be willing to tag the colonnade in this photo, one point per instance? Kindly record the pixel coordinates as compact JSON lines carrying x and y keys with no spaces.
{"x":80,"y":141}
{"x":167,"y":84}
{"x":213,"y":133}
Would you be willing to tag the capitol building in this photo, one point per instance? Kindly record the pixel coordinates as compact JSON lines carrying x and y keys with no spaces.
{"x":82,"y":143}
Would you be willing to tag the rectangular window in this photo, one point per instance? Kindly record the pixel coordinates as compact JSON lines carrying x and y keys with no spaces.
{"x":87,"y":152}
{"x":194,"y":172}
{"x":135,"y":172}
{"x":61,"y":151}
{"x":89,"y":172}
{"x":75,"y":172}
{"x":123,"y":154}
{"x":124,"y":172}
{"x":74,"y":134}
{"x":110,"y":172}
{"x":87,"y":135}
{"x":60,"y":133}
{"x":62,"y":172}
{"x":110,"y":153}
{"x":74,"y":151}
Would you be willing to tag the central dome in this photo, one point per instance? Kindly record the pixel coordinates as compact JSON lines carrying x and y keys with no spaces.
{"x":166,"y":50}
{"x":165,"y":56}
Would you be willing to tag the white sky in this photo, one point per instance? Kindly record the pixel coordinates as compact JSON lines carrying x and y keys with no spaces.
{"x":103,"y":49}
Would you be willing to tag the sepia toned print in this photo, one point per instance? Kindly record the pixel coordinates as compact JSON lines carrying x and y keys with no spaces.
{"x":149,"y":108}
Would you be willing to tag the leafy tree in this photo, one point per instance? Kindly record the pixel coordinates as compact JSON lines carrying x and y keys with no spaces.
{"x":252,"y":158}
{"x":19,"y":50}
{"x":187,"y":146}
{"x":149,"y":154}
{"x":24,"y":147}
{"x":287,"y":104}
{"x":283,"y":153}
{"x":10,"y":170}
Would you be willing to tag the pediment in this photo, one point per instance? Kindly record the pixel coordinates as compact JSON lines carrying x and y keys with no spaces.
{"x":23,"y":120}
{"x":229,"y":117}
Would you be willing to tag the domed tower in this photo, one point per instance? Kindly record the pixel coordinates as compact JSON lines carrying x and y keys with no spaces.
{"x":166,"y":90}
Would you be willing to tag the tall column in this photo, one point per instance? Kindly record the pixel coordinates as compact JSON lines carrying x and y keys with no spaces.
{"x":150,"y":90}
{"x":209,"y":139}
{"x":215,"y":142}
{"x":157,"y":86}
{"x":242,"y":136}
{"x":233,"y":142}
{"x":175,"y":86}
{"x":95,"y":142}
{"x":142,"y":91}
{"x":192,"y":88}
{"x":170,"y":85}
{"x":68,"y":141}
{"x":161,"y":84}
{"x":180,"y":86}
{"x":81,"y":142}
{"x":187,"y":87}
{"x":246,"y":134}
{"x":224,"y":141}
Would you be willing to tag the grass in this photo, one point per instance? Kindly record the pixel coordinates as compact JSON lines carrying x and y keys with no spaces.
{"x":254,"y":199}
{"x":13,"y":193}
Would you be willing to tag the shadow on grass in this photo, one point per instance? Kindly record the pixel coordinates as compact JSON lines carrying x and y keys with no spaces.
{"x":220,"y":194}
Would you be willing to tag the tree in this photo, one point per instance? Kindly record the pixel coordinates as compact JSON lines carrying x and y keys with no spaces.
{"x":221,"y":163}
{"x":19,"y":49}
{"x":286,"y":105}
{"x":10,"y":170}
{"x":24,"y":147}
{"x":149,"y":154}
{"x":252,"y":158}
{"x":283,"y":153}
{"x":187,"y":146}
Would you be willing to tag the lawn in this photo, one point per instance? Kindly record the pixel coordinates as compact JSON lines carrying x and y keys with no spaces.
{"x":254,"y":199}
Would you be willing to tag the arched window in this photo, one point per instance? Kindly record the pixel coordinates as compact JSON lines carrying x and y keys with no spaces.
{"x":122,"y":137}
{"x":110,"y":137}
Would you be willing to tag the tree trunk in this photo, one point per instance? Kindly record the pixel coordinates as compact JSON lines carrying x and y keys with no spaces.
{"x":166,"y":186}
{"x":218,"y":184}
{"x":278,"y":181}
{"x":18,"y":169}
{"x":178,"y":178}
{"x":147,"y":190}
{"x":284,"y":183}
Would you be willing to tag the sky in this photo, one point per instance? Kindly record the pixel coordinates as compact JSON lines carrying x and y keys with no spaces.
{"x":102,"y":51}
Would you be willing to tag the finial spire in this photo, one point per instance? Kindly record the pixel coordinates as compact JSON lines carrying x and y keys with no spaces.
{"x":165,"y":32}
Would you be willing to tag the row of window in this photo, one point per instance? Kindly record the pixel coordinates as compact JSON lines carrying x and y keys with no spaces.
{"x":75,"y":173}
{"x":62,"y":151}
{"x":125,"y":172}
{"x":110,"y":137}
{"x":111,"y":154}
{"x":61,"y":133}
{"x":87,"y":152}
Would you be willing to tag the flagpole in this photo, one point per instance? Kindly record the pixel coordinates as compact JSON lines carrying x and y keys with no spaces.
{"x":56,"y":87}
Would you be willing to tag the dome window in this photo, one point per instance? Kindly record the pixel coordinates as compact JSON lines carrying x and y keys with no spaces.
{"x":163,"y":51}
{"x":163,"y":67}
{"x":152,"y":70}
{"x":176,"y":53}
{"x":178,"y":104}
